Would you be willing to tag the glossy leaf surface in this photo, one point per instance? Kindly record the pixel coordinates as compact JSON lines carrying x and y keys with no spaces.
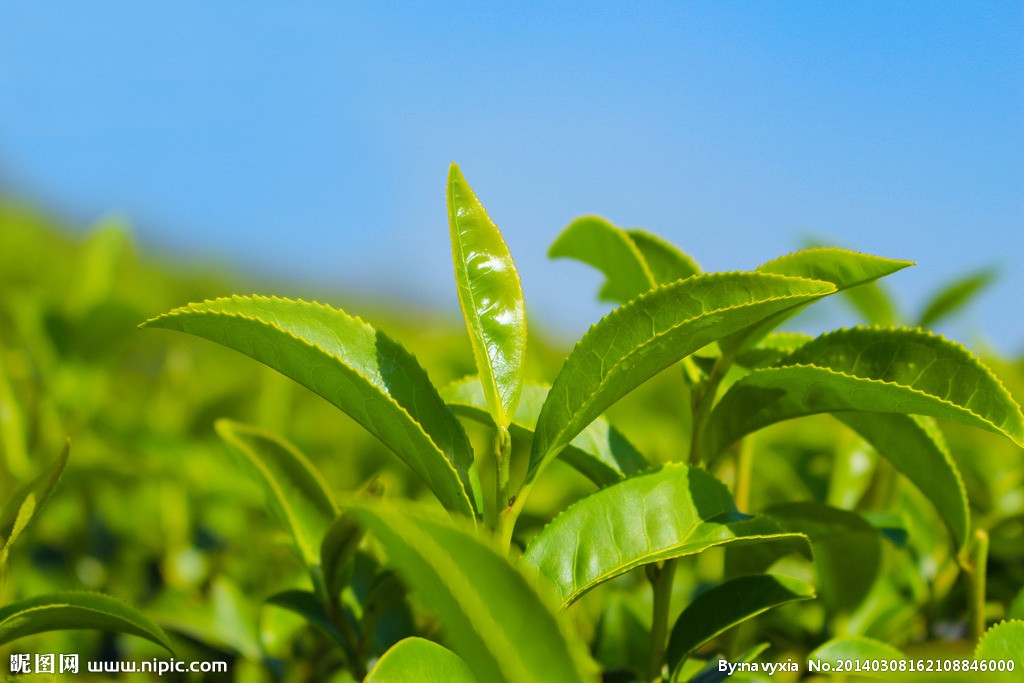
{"x":868,"y":369}
{"x":669,"y":512}
{"x":600,"y":452}
{"x":491,"y":297}
{"x":917,"y":448}
{"x":357,"y":368}
{"x":639,"y":339}
{"x":64,"y":611}
{"x":666,"y":262}
{"x":722,"y":607}
{"x":494,"y":619}
{"x":295,"y":491}
{"x":416,"y":659}
{"x":596,"y":242}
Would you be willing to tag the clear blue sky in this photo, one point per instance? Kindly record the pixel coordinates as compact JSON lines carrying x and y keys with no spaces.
{"x":312,"y":140}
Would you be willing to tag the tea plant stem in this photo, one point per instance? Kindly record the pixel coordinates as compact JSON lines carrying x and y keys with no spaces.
{"x":501,"y":520}
{"x":661,"y":579}
{"x":978,"y":569}
{"x":353,"y":645}
{"x":701,"y":401}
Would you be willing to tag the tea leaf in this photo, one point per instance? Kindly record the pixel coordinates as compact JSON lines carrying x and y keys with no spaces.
{"x":416,"y":659}
{"x":639,"y":339}
{"x":29,"y":500}
{"x":916,"y":447}
{"x":598,"y":243}
{"x":844,"y":269}
{"x":665,"y":261}
{"x":66,"y":611}
{"x":955,"y":296}
{"x":670,"y":512}
{"x":308,"y":606}
{"x":488,"y":609}
{"x":858,"y":649}
{"x":717,"y":609}
{"x":1002,"y":642}
{"x":600,"y":452}
{"x":357,"y":368}
{"x":491,"y":297}
{"x":867,"y":369}
{"x":295,"y":491}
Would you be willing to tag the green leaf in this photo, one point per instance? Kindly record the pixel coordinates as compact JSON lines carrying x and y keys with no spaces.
{"x":843,"y":268}
{"x":847,"y":549}
{"x":772,"y":349}
{"x":600,"y":452}
{"x":857,"y":649}
{"x":639,"y":339}
{"x":357,"y":368}
{"x":716,"y":610}
{"x":416,"y":659}
{"x":902,"y":371}
{"x":917,"y":448}
{"x":1002,"y":642}
{"x":611,"y":250}
{"x":666,"y":262}
{"x":339,"y":546}
{"x":67,"y":611}
{"x":491,"y":297}
{"x":29,"y":500}
{"x":493,"y":617}
{"x":621,"y":641}
{"x":955,"y":296}
{"x":669,"y":512}
{"x":295,"y":491}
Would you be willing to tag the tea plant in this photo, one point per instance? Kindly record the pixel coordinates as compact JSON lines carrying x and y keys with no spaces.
{"x":511,"y":602}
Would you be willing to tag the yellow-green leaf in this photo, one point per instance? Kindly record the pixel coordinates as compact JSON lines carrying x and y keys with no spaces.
{"x":491,"y":297}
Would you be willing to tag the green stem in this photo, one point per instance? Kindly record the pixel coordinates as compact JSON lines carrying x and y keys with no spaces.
{"x":978,"y":569}
{"x":353,"y":648}
{"x":661,"y":583}
{"x":701,"y":401}
{"x":502,"y":521}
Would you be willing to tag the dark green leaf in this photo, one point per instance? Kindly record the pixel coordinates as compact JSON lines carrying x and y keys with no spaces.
{"x":598,"y":243}
{"x":423,"y":661}
{"x":716,"y":610}
{"x":491,"y":297}
{"x":357,"y":368}
{"x":67,"y":611}
{"x":295,"y":491}
{"x":669,"y":512}
{"x":639,"y":339}
{"x":487,"y":607}
{"x":600,"y":452}
{"x":309,"y":607}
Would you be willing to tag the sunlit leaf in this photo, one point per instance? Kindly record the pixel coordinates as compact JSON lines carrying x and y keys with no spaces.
{"x":29,"y":500}
{"x":493,"y":618}
{"x":491,"y":297}
{"x":669,"y":512}
{"x":357,"y":368}
{"x":666,"y":262}
{"x":611,"y":250}
{"x":65,"y":611}
{"x":416,"y":659}
{"x":908,"y":372}
{"x":639,"y":339}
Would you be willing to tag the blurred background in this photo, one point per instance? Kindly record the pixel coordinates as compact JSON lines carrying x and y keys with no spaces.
{"x":308,"y":143}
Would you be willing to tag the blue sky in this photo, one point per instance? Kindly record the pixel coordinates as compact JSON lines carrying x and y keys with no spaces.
{"x":311,"y":141}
